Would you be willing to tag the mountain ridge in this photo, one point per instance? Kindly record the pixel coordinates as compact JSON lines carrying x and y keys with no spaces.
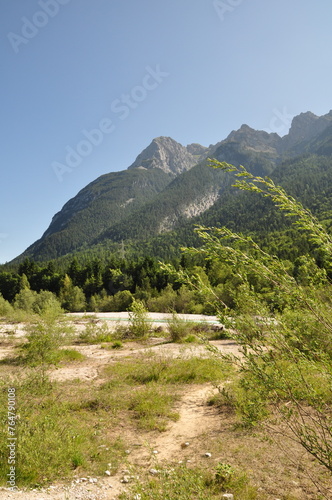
{"x":169,"y":183}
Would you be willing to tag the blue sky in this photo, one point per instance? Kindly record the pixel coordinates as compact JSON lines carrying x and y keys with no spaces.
{"x":87,"y":84}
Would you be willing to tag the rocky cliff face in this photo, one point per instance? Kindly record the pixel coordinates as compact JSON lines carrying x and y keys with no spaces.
{"x":168,"y":155}
{"x":250,"y":147}
{"x":305,"y":126}
{"x":256,"y":140}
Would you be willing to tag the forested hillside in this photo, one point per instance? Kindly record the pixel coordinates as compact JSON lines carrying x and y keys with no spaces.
{"x":169,"y":184}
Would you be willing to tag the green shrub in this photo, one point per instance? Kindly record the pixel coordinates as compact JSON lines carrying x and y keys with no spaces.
{"x":6,"y":308}
{"x":224,"y":473}
{"x":46,"y":303}
{"x":44,"y":338}
{"x":25,"y":300}
{"x":138,"y":319}
{"x":178,"y":328}
{"x":94,"y":333}
{"x":117,"y":344}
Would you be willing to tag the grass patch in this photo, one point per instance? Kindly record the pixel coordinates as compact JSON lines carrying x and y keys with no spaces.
{"x":68,"y":355}
{"x":183,"y":483}
{"x":150,"y":367}
{"x":54,"y":441}
{"x":152,"y":407}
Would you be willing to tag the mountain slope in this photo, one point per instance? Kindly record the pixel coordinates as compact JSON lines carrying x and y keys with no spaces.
{"x":169,"y":185}
{"x":105,"y":201}
{"x":188,"y":195}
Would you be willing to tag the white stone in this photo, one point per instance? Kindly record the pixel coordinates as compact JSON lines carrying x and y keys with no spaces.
{"x":107,"y":472}
{"x":208,"y":455}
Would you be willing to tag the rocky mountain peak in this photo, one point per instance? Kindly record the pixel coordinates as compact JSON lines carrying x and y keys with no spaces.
{"x":255,"y":140}
{"x":305,"y":127}
{"x":166,"y":154}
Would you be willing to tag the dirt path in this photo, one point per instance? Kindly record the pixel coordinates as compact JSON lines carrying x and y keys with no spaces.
{"x":196,"y":419}
{"x":180,"y":442}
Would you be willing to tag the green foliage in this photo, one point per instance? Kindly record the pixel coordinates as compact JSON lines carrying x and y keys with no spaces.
{"x":46,"y":303}
{"x":286,"y":368}
{"x":165,"y":370}
{"x":44,"y":338}
{"x":72,"y":297}
{"x":152,"y":407}
{"x":121,"y":301}
{"x":95,"y":333}
{"x":117,"y":344}
{"x":224,"y":473}
{"x":178,"y":328}
{"x":25,"y":300}
{"x":5,"y":307}
{"x":138,"y":319}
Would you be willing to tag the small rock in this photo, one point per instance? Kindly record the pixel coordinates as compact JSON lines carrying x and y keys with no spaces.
{"x":155,"y":452}
{"x":228,"y":496}
{"x":137,"y":497}
{"x":107,"y":472}
{"x":185,"y":445}
{"x":127,"y":452}
{"x":153,"y":471}
{"x":208,"y":455}
{"x":125,"y":479}
{"x":84,"y":479}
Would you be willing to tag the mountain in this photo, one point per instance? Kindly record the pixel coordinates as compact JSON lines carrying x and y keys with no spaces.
{"x":304,"y":128}
{"x":169,"y":187}
{"x":103,"y":202}
{"x":169,"y":156}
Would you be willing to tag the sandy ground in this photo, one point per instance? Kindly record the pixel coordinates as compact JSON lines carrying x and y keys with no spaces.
{"x":175,"y":444}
